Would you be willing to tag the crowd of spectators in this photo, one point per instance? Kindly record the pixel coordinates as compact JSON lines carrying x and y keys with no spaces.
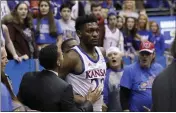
{"x":28,"y":26}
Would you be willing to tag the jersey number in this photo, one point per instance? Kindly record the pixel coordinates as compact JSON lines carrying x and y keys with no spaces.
{"x":97,"y":82}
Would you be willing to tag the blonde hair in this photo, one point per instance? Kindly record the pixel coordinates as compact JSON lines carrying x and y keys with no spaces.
{"x":133,"y":5}
{"x":147,"y":21}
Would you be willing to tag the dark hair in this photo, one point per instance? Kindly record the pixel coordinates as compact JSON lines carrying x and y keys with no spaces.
{"x":65,"y":5}
{"x":81,"y":11}
{"x":50,"y":16}
{"x":110,"y":14}
{"x":118,"y":16}
{"x":128,"y":32}
{"x":65,"y":43}
{"x":82,"y":20}
{"x":93,"y":5}
{"x":48,"y":56}
{"x":173,"y":48}
{"x":28,"y":21}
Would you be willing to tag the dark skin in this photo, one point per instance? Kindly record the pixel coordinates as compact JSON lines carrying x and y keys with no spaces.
{"x":69,"y":45}
{"x":89,"y":36}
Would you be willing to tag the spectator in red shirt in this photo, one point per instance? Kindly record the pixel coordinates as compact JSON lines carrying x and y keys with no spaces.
{"x":96,"y":11}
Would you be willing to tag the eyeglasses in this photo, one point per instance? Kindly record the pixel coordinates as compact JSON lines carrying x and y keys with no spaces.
{"x":145,"y":53}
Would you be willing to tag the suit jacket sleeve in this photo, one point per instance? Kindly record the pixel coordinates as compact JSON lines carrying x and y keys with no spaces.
{"x":22,"y":86}
{"x":68,"y":104}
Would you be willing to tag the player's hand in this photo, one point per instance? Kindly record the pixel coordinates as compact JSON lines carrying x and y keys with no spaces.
{"x":94,"y":96}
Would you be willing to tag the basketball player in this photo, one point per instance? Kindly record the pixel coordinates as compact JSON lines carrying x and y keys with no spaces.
{"x":85,"y":65}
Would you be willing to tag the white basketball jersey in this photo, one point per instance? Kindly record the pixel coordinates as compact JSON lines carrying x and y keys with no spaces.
{"x":92,"y":76}
{"x":113,"y":39}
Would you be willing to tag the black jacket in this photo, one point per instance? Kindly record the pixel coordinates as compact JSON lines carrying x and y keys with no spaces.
{"x":164,"y":90}
{"x":45,"y":91}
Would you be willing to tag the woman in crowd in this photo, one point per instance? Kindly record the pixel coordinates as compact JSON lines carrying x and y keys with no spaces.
{"x":143,"y":30}
{"x":6,"y":42}
{"x":113,"y":37}
{"x":112,"y":80}
{"x":129,"y":9}
{"x":157,"y":38}
{"x":47,"y":29}
{"x":143,"y":27}
{"x":20,"y":27}
{"x":130,"y":35}
{"x":120,"y":22}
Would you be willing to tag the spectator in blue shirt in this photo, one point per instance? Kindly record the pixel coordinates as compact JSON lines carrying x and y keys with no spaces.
{"x":108,"y":4}
{"x":48,"y":29}
{"x":137,"y":79}
{"x":56,"y":4}
{"x":157,"y":38}
{"x":143,"y":29}
{"x":6,"y":101}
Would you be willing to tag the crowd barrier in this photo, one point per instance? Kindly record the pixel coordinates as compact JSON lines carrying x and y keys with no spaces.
{"x":16,"y":70}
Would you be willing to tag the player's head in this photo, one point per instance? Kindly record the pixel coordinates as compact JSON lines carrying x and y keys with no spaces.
{"x":68,"y":44}
{"x":114,"y":56}
{"x":65,"y":11}
{"x":49,"y":57}
{"x":87,"y":30}
{"x":146,"y":54}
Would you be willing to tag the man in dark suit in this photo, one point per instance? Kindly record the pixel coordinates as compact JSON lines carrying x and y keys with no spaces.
{"x":45,"y":91}
{"x":164,"y":87}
